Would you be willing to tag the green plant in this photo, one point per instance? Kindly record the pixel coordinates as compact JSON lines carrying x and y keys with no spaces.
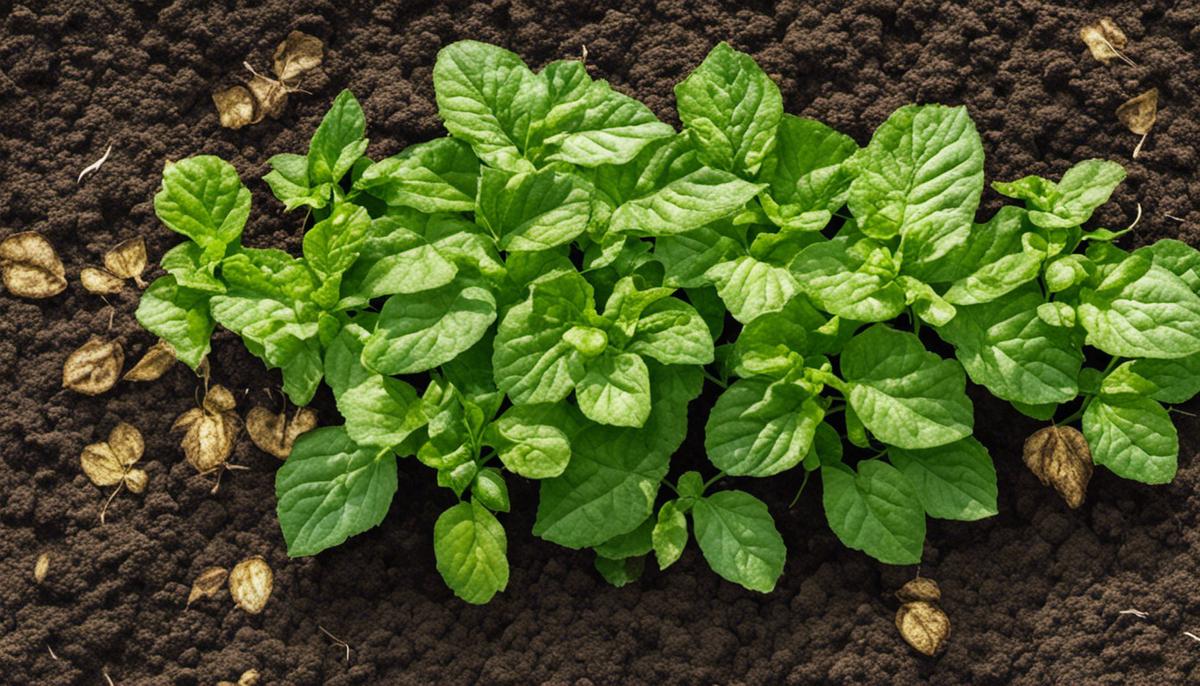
{"x":562,"y":242}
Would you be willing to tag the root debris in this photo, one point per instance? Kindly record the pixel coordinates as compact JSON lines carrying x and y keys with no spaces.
{"x":95,"y":166}
{"x":337,"y":641}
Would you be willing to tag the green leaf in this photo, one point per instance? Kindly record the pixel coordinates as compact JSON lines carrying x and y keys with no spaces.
{"x":179,"y":316}
{"x":805,"y":169}
{"x":955,"y":481}
{"x":632,"y":544}
{"x":672,"y":332}
{"x":288,"y":180}
{"x":853,"y":281}
{"x":620,"y":573}
{"x":379,"y":410}
{"x":875,"y":510}
{"x":471,"y":551}
{"x":1154,"y":315}
{"x":615,"y":390}
{"x":531,"y":441}
{"x":908,"y":397}
{"x":533,"y":363}
{"x":440,"y":175}
{"x":203,"y":199}
{"x":1168,"y":381}
{"x":732,"y":108}
{"x":686,"y":257}
{"x":338,"y":142}
{"x":187,"y":264}
{"x":397,"y":260}
{"x":332,"y":245}
{"x":737,"y":535}
{"x":751,"y":288}
{"x":685,"y":204}
{"x":488,"y":97}
{"x":670,"y":535}
{"x":759,"y":428}
{"x":921,"y":174}
{"x":996,"y":278}
{"x":1177,"y":257}
{"x":421,"y":331}
{"x":1005,"y":346}
{"x":490,"y":490}
{"x":534,"y":210}
{"x":331,"y":489}
{"x":1071,"y":201}
{"x":606,"y":127}
{"x":1133,"y":437}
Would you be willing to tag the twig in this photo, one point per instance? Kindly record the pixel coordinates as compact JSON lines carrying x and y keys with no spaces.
{"x":1137,"y":149}
{"x":52,"y":655}
{"x":1171,"y":216}
{"x":1192,"y":636}
{"x":94,"y":166}
{"x":1136,"y":613}
{"x":107,"y":677}
{"x":337,"y":641}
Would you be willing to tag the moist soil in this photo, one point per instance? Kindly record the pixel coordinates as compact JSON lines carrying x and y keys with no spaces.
{"x":1037,"y":595}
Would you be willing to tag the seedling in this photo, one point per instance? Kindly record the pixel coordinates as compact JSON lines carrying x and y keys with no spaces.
{"x":543,"y":292}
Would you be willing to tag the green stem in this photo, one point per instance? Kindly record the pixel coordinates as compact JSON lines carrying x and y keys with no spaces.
{"x":708,"y":375}
{"x":804,"y":483}
{"x":713,"y":480}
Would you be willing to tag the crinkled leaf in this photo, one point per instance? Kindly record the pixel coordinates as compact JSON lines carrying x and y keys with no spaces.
{"x":421,"y":331}
{"x":875,"y":510}
{"x":759,"y":428}
{"x":1133,"y":437}
{"x":737,"y":535}
{"x":472,"y":552}
{"x":955,"y":481}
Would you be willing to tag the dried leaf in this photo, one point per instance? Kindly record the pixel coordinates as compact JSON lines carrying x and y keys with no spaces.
{"x":1060,"y":457}
{"x":219,"y":399}
{"x":29,"y":266}
{"x":235,"y":106}
{"x":1105,"y":40}
{"x":273,"y":434}
{"x":135,"y":480}
{"x":157,"y":360}
{"x":41,"y":568}
{"x":1139,"y":114}
{"x":108,"y":463}
{"x":248,"y":678}
{"x":209,"y":440}
{"x":271,"y":96}
{"x":208,"y":584}
{"x":298,"y":54}
{"x":127,"y":260}
{"x":126,"y":442}
{"x":923,"y":626}
{"x":920,"y":588}
{"x":187,"y":419}
{"x":250,"y":584}
{"x":101,"y":464}
{"x":100,"y":281}
{"x":94,"y":368}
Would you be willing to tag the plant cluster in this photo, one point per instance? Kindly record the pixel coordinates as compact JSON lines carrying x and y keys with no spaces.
{"x":541,"y":293}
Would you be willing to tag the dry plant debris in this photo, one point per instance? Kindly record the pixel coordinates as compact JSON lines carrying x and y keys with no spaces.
{"x":1106,"y":40}
{"x":154,"y":363}
{"x":110,"y":463}
{"x":249,"y":678}
{"x":262,"y":96}
{"x":95,"y":166}
{"x":126,"y":260}
{"x":95,"y":367}
{"x":30,"y":267}
{"x":920,"y":588}
{"x":210,"y":430}
{"x":1138,"y":114}
{"x":1059,"y":456}
{"x":924,"y":626}
{"x":41,"y":568}
{"x":273,"y":433}
{"x":208,"y":584}
{"x":250,"y":584}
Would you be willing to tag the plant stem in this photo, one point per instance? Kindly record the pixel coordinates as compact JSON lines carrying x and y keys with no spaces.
{"x":713,"y":480}
{"x":708,"y":375}
{"x":804,"y":483}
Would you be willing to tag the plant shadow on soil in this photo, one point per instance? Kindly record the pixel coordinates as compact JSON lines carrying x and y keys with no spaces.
{"x":1035,"y":595}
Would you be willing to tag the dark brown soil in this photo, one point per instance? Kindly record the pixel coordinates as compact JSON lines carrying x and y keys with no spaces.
{"x":1036,"y":594}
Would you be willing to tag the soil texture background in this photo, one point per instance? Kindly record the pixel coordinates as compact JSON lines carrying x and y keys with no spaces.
{"x":1035,"y":595}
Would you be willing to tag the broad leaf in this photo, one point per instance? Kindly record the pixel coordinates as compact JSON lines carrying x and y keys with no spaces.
{"x":437,"y":176}
{"x":955,"y":481}
{"x":1133,"y":437}
{"x":338,"y":142}
{"x":179,"y":316}
{"x":421,"y":331}
{"x":875,"y":510}
{"x":203,"y":199}
{"x":471,"y":551}
{"x":737,"y":535}
{"x":759,"y":428}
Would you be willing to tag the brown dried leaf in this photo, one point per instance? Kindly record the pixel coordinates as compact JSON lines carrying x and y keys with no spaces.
{"x":249,"y":678}
{"x":208,"y":584}
{"x":127,"y":260}
{"x":209,"y":440}
{"x":920,"y":588}
{"x":1060,"y":457}
{"x":94,"y":368}
{"x":100,"y":281}
{"x":923,"y":626}
{"x":187,"y":419}
{"x":1105,"y":40}
{"x":1139,"y":114}
{"x":219,"y":399}
{"x":250,"y":584}
{"x":236,"y":107}
{"x":126,"y":443}
{"x":271,"y":96}
{"x":298,"y":54}
{"x":273,"y":434}
{"x":101,"y":464}
{"x":29,"y":266}
{"x":157,"y":360}
{"x":135,"y":480}
{"x":41,"y":568}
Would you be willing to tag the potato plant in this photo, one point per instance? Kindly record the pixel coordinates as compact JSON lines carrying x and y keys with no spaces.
{"x":541,"y":293}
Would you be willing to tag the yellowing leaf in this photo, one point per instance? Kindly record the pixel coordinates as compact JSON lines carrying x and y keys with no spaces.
{"x":208,"y":584}
{"x":208,"y":442}
{"x":127,"y":260}
{"x":100,"y":281}
{"x":273,"y":434}
{"x":297,"y":54}
{"x":29,"y":266}
{"x":1059,"y":456}
{"x":126,"y":442}
{"x":235,"y":106}
{"x":924,"y":626}
{"x":1105,"y":40}
{"x":250,"y":584}
{"x":157,"y":360}
{"x":110,"y":462}
{"x":1138,"y":114}
{"x":101,"y":464}
{"x":94,"y":367}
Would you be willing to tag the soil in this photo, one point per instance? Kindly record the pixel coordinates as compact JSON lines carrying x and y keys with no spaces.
{"x":1036,"y":595}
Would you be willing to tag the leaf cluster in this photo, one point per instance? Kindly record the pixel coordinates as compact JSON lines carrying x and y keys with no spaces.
{"x":541,"y":293}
